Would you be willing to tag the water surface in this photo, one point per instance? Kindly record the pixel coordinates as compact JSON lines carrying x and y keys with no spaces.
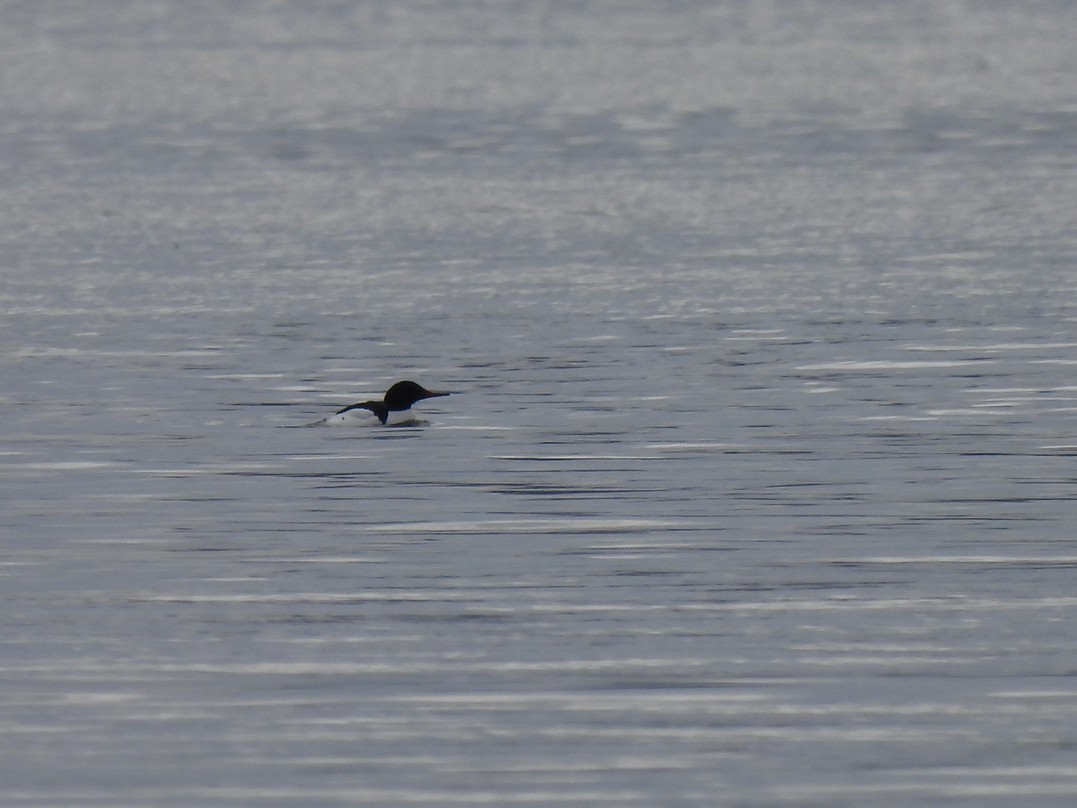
{"x":757,"y":484}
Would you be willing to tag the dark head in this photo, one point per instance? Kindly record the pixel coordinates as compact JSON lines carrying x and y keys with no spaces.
{"x":403,"y":394}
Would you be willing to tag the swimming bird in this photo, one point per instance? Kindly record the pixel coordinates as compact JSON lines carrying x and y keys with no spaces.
{"x":398,"y":398}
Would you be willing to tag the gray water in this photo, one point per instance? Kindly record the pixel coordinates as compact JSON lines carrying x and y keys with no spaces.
{"x":757,"y":483}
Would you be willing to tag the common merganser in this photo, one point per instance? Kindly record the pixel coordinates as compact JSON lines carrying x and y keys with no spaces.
{"x":399,"y":397}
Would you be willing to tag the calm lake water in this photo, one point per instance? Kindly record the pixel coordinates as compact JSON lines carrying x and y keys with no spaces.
{"x":757,"y":485}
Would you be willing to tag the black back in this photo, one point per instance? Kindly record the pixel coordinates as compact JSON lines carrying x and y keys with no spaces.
{"x":375,"y":407}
